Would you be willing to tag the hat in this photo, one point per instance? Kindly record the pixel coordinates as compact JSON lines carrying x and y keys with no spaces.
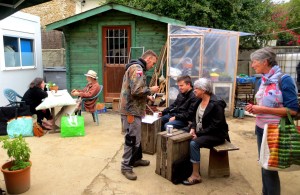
{"x":92,"y":74}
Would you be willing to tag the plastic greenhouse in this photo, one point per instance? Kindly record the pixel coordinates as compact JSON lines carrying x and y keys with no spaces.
{"x":203,"y":52}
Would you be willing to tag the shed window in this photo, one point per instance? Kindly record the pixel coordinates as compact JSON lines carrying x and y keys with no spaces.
{"x":18,"y":52}
{"x":117,"y":43}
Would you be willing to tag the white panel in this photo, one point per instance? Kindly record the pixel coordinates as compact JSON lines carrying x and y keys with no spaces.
{"x":21,"y":25}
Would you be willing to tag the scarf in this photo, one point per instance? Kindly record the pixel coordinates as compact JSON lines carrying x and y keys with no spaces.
{"x":269,"y":95}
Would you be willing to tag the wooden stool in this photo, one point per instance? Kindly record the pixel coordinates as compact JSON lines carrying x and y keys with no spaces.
{"x":169,"y":149}
{"x":219,"y":160}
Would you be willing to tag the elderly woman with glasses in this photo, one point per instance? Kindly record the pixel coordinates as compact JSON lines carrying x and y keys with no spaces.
{"x":272,"y":99}
{"x":209,"y":128}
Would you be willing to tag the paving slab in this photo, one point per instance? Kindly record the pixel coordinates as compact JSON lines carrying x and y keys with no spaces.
{"x":90,"y":165}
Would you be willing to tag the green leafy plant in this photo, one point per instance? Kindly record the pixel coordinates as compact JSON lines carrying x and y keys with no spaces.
{"x":18,"y":151}
{"x":51,"y":84}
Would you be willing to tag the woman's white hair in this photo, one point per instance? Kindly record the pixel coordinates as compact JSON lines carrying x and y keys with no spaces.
{"x":266,"y":53}
{"x":204,"y":84}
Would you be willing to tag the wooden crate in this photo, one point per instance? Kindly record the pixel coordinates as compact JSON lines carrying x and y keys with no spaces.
{"x":245,"y":91}
{"x":115,"y":104}
{"x":149,"y":134}
{"x":170,"y":149}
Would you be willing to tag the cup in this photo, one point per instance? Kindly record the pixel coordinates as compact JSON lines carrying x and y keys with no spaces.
{"x":169,"y":129}
{"x":155,"y":114}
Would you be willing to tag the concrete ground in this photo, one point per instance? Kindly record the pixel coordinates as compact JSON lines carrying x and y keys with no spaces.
{"x":90,"y":165}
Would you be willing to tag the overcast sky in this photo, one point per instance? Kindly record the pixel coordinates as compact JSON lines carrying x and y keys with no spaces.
{"x":279,"y":1}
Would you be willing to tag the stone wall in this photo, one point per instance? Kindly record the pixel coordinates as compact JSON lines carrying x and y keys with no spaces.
{"x":52,"y":11}
{"x":54,"y":58}
{"x":52,"y":40}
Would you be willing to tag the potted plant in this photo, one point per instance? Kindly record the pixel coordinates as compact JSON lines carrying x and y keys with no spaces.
{"x":52,"y":86}
{"x":16,"y":171}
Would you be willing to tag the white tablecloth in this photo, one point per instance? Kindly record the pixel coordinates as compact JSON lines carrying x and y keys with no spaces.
{"x":60,"y":99}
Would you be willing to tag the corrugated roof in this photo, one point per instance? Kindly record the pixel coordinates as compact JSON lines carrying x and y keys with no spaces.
{"x":9,"y":7}
{"x":111,"y":6}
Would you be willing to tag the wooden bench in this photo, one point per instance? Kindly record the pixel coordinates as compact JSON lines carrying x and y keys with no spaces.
{"x":219,"y":160}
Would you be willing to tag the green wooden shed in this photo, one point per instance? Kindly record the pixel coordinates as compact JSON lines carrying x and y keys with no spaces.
{"x":104,"y":38}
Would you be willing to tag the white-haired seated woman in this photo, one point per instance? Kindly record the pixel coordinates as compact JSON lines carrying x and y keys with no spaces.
{"x":209,"y":128}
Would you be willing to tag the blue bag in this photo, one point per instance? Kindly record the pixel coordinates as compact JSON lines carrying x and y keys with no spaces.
{"x":22,"y":125}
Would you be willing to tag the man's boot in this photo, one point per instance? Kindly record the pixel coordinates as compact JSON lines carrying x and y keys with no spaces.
{"x":141,"y":163}
{"x":129,"y":174}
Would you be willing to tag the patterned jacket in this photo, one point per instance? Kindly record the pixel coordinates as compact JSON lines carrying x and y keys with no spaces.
{"x":134,"y":90}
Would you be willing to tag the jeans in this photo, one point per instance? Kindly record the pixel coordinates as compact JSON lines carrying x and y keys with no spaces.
{"x":270,"y":179}
{"x":176,"y":123}
{"x":194,"y":152}
{"x":204,"y":141}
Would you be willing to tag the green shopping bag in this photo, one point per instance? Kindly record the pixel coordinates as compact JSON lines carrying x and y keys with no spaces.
{"x":72,"y":126}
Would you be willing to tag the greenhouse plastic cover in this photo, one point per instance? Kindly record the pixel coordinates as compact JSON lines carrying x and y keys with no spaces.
{"x":203,"y":52}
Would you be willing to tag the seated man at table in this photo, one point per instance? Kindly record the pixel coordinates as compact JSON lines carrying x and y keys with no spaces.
{"x":184,"y":108}
{"x":90,"y":90}
{"x":34,"y":96}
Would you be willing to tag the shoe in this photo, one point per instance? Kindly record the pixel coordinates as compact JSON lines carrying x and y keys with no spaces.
{"x":141,"y":163}
{"x":191,"y":181}
{"x":129,"y":174}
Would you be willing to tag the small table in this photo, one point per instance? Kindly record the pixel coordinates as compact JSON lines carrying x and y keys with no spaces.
{"x":169,"y":149}
{"x":150,"y":127}
{"x":60,"y":99}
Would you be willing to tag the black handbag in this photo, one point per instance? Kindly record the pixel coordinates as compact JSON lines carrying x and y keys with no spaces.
{"x":181,"y":170}
{"x":9,"y":112}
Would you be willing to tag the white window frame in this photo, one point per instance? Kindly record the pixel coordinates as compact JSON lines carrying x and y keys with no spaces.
{"x":19,"y":35}
{"x":227,"y":87}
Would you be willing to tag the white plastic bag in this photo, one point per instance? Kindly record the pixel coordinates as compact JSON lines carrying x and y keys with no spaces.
{"x":73,"y":120}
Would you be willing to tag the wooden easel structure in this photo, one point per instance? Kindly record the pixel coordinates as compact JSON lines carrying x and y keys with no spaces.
{"x":158,"y":77}
{"x":162,"y":60}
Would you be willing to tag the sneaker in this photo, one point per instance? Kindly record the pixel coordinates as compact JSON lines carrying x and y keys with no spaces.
{"x":129,"y":174}
{"x":141,"y":163}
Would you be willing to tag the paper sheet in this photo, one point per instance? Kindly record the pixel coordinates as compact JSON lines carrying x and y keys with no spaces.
{"x":149,"y":119}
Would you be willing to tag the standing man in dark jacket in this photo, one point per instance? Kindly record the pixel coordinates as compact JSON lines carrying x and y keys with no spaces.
{"x":184,"y":108}
{"x":133,"y":98}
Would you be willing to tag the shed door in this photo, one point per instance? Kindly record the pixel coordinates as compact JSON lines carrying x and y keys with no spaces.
{"x":116,"y":44}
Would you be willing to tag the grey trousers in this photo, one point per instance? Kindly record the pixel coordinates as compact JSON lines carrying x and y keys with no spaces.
{"x":134,"y":130}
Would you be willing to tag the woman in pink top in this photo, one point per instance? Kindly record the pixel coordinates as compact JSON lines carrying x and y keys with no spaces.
{"x":272,"y":99}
